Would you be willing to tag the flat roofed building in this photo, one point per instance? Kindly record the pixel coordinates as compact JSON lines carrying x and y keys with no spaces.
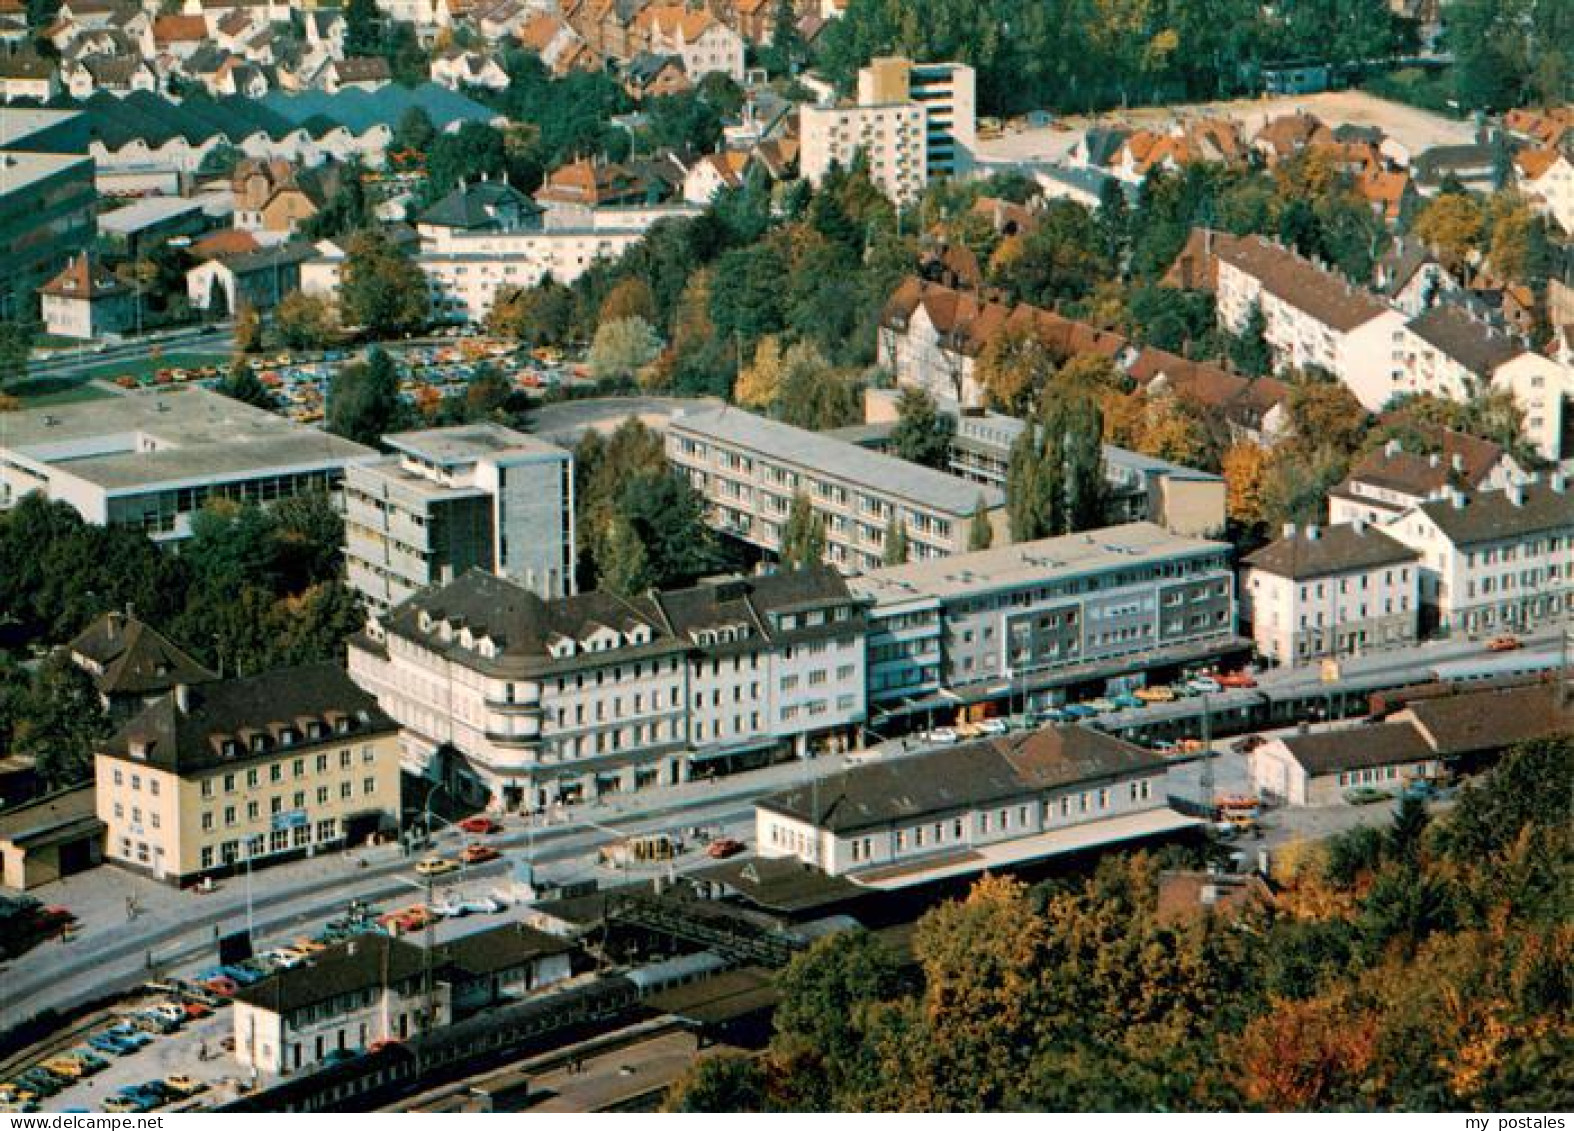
{"x":255,"y":770}
{"x":1026,"y":621}
{"x":475,"y":496}
{"x":150,"y":460}
{"x":48,"y":202}
{"x":1326,"y":592}
{"x":748,"y":468}
{"x":978,"y":806}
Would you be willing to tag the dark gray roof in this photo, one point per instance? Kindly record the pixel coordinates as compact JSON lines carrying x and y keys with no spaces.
{"x":56,"y":817}
{"x":239,"y":710}
{"x":134,"y":658}
{"x":499,"y":948}
{"x":1333,"y":550}
{"x":362,"y":963}
{"x":487,"y":205}
{"x":522,"y":625}
{"x":1494,"y":720}
{"x":752,"y":601}
{"x":963,"y":777}
{"x":1358,"y":748}
{"x":267,"y":259}
{"x":1491,"y":516}
{"x":1432,"y":165}
{"x":1477,"y":346}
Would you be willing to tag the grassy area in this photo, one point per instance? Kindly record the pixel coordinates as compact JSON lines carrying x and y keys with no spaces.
{"x":40,"y":392}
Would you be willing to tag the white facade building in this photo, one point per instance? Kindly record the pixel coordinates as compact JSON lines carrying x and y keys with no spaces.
{"x":451,"y":499}
{"x":1495,"y":561}
{"x":1327,"y":592}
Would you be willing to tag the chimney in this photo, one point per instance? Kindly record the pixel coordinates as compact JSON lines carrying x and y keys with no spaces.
{"x":1392,"y":448}
{"x":1458,"y":462}
{"x":1289,"y":530}
{"x":183,"y":697}
{"x":116,"y":618}
{"x":1458,"y":498}
{"x":1558,"y":482}
{"x":1432,"y":460}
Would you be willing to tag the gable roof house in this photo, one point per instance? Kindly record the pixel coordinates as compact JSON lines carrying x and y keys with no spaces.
{"x":1388,"y":481}
{"x":130,"y":663}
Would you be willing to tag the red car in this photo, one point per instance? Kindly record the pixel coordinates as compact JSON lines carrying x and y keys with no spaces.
{"x":1504,"y":644}
{"x":480,"y":826}
{"x":478,"y":854}
{"x":723,"y":848}
{"x":224,"y":987}
{"x":1235,"y":679}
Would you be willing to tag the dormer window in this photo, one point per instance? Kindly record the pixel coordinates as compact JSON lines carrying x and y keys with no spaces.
{"x":231,"y":748}
{"x":287,"y":736}
{"x":488,"y":647}
{"x":259,"y":743}
{"x":139,"y":749}
{"x":425,"y":621}
{"x":315,"y":730}
{"x":341,"y":726}
{"x":466,"y":638}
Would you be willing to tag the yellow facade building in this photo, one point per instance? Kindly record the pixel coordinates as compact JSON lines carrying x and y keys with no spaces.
{"x":261,"y":769}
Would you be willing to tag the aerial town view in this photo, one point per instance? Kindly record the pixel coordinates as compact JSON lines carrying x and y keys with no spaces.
{"x":794,"y":556}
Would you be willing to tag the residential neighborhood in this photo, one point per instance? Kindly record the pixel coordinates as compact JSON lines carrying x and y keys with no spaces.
{"x":786,"y":556}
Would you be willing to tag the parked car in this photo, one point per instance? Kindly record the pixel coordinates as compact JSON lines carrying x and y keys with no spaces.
{"x":1078,"y":711}
{"x":943,"y":736}
{"x":127,"y":1104}
{"x":1101,"y":705}
{"x":1503,"y":644}
{"x":1364,"y":795}
{"x":1125,"y":701}
{"x":480,"y":826}
{"x":64,"y":1068}
{"x":1204,"y":685}
{"x":993,"y":727}
{"x":183,"y":1085}
{"x":1050,"y":715}
{"x":1155,"y":694}
{"x":1236,"y":679}
{"x":103,"y":1042}
{"x":1248,"y":744}
{"x":91,"y":1063}
{"x":723,"y":848}
{"x":478,"y":854}
{"x":339,"y":1056}
{"x":482,"y":905}
{"x":436,"y":866}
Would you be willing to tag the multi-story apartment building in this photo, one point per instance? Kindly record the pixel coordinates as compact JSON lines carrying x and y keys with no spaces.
{"x":749,"y":469}
{"x":946,"y":91}
{"x":451,"y":499}
{"x":1388,"y":481}
{"x":247,"y":772}
{"x":983,"y":805}
{"x":1027,"y":622}
{"x":1327,"y":592}
{"x":540,"y":702}
{"x":1494,"y":560}
{"x":150,"y":460}
{"x":704,"y":43}
{"x":1312,"y":316}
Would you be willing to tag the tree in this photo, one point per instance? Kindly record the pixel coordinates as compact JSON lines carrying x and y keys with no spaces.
{"x":803,"y":537}
{"x":1249,"y":350}
{"x":241,"y":383}
{"x":362,"y":28}
{"x":980,"y":532}
{"x":630,"y":298}
{"x":1325,"y":413}
{"x":414,"y":131}
{"x":760,"y":382}
{"x":1035,"y":487}
{"x":16,"y":348}
{"x":923,"y":433}
{"x":303,"y":321}
{"x":623,"y":349}
{"x":1013,"y":367}
{"x":363,"y":400}
{"x":623,"y":565}
{"x":1087,"y":490}
{"x":1245,"y":469}
{"x":894,"y":552}
{"x":542,"y":316}
{"x":381,"y":290}
{"x":248,"y":329}
{"x":63,"y":724}
{"x":1452,"y":224}
{"x":813,"y":395}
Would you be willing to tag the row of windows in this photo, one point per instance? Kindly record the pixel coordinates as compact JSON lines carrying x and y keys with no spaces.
{"x":228,"y":782}
{"x":276,"y":804}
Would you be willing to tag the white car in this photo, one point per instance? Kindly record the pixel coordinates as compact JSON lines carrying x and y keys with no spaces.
{"x":484,"y":905}
{"x":993,"y":726}
{"x":1204,"y":685}
{"x":944,"y":736}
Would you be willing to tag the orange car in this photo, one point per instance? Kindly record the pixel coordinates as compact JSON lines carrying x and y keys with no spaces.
{"x":1503,"y":644}
{"x":478,"y":854}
